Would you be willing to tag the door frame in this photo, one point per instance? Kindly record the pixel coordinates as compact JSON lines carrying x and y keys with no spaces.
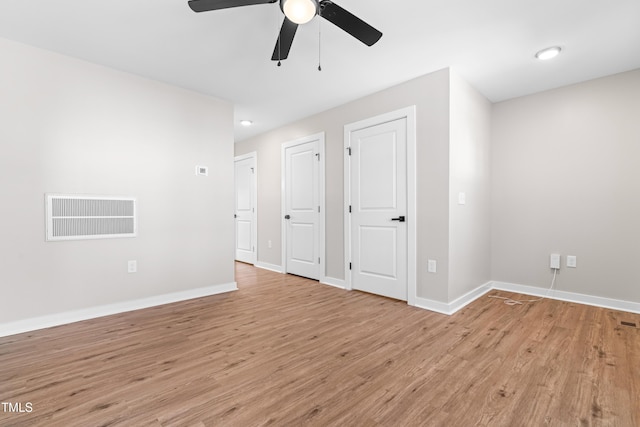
{"x":408,"y":113}
{"x":321,"y":196}
{"x":254,"y":202}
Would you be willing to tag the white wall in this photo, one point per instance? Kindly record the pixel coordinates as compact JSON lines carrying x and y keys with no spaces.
{"x":565,"y":179}
{"x":469,"y":173}
{"x":69,"y":126}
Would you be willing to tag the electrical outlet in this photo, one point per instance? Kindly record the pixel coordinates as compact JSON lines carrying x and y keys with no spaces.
{"x":432,"y":266}
{"x":132,"y":266}
{"x":572,"y":261}
{"x":269,"y":244}
{"x":554,"y":261}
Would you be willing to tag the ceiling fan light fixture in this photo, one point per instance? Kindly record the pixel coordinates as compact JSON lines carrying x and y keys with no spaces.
{"x":548,"y":53}
{"x":300,"y":11}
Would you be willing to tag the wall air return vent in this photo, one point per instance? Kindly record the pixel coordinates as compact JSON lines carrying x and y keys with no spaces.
{"x":76,"y":217}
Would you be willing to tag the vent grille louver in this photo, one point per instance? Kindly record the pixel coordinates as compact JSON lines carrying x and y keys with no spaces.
{"x":74,"y":217}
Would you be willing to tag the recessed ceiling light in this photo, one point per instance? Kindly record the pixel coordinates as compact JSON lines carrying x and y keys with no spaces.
{"x":246,"y":122}
{"x":548,"y":53}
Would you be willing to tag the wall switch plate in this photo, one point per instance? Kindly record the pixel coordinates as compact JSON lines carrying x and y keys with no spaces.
{"x":269,"y":244}
{"x":462,"y":198}
{"x":554,"y":261}
{"x":132,"y":267}
{"x":432,"y":266}
{"x":572,"y":261}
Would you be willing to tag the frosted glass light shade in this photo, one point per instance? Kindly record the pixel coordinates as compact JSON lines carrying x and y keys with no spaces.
{"x":300,"y":11}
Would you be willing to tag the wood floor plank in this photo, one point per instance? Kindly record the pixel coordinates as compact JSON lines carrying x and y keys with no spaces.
{"x":287,"y":351}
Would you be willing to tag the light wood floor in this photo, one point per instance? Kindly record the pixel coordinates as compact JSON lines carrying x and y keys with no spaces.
{"x":288,"y":351}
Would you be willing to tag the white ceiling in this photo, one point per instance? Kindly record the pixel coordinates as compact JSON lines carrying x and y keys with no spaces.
{"x":227,"y":53}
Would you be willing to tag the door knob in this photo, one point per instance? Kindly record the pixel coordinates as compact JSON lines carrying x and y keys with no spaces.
{"x":400,"y":218}
{"x":287,"y":216}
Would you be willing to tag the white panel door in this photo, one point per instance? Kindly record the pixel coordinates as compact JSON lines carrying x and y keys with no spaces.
{"x":245,"y":218}
{"x":301,"y":209}
{"x":379,"y":209}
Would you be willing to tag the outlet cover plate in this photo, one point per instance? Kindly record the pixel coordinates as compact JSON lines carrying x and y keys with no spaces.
{"x":132,"y":266}
{"x":432,"y":266}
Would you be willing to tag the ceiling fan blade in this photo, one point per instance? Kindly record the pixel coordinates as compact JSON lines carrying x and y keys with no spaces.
{"x":206,"y":5}
{"x":283,"y":44}
{"x":349,"y":23}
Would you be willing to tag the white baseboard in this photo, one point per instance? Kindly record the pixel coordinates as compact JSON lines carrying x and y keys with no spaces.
{"x":455,"y":305}
{"x":28,"y":325}
{"x":332,"y":281}
{"x":43,"y":322}
{"x":615,"y":304}
{"x":433,"y":305}
{"x":270,"y":267}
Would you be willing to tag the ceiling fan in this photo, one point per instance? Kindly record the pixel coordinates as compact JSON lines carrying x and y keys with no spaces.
{"x":299,"y":12}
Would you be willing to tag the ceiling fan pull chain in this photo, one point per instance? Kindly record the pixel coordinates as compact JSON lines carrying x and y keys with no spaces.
{"x":279,"y":38}
{"x":319,"y":43}
{"x":279,"y":56}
